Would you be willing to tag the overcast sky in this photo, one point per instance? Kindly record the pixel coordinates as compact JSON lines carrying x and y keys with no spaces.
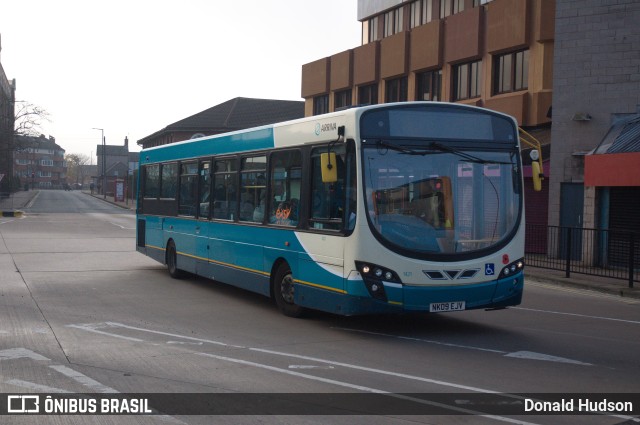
{"x":132,"y":67}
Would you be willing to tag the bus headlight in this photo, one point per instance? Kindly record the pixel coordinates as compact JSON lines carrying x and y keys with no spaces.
{"x":374,"y":276}
{"x":512,"y":268}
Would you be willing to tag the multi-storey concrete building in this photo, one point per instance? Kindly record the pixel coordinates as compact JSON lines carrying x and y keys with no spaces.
{"x":497,"y":54}
{"x":39,"y":162}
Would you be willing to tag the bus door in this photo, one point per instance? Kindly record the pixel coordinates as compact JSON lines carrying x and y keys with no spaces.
{"x":331,"y":215}
{"x":184,"y":228}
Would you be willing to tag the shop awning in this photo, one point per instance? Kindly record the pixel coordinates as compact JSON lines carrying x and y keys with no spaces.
{"x":616,"y":160}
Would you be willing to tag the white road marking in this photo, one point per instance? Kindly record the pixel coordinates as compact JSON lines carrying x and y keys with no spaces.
{"x":422,"y":340}
{"x":303,"y":366}
{"x":20,"y":353}
{"x":92,"y":328}
{"x":36,"y":387}
{"x":208,"y":341}
{"x":634,"y":322}
{"x":122,"y":227}
{"x":184,"y":343}
{"x":379,"y":371}
{"x":83,"y":379}
{"x":527,"y":355}
{"x":32,"y":201}
{"x":362,"y":388}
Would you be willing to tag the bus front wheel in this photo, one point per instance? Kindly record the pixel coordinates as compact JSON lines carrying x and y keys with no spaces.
{"x":284,"y":291}
{"x":172,"y":261}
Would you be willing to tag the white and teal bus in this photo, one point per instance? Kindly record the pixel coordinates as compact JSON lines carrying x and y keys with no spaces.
{"x":402,"y":207}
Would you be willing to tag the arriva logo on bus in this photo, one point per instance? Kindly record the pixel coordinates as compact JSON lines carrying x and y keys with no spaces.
{"x":321,"y":128}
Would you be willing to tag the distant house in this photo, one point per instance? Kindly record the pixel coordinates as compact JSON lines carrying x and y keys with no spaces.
{"x":115,"y":162}
{"x":232,"y":115}
{"x":39,"y":162}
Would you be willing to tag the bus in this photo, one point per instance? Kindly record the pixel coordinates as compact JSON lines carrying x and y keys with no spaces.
{"x":391,"y":208}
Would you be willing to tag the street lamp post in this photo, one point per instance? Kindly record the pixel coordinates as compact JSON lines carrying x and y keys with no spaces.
{"x":104,"y":164}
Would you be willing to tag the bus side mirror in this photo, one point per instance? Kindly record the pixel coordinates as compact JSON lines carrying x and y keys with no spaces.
{"x":329,"y":167}
{"x":537,"y":176}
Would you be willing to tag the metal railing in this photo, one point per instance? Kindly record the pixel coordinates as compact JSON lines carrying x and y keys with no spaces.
{"x":598,"y":252}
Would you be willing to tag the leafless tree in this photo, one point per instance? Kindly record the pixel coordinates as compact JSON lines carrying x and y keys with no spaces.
{"x":75,"y":169}
{"x":29,"y":118}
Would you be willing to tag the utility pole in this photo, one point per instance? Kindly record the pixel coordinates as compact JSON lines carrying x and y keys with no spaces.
{"x":104,"y":163}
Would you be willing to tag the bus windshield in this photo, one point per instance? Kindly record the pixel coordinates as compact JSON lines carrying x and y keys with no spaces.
{"x":426,"y":197}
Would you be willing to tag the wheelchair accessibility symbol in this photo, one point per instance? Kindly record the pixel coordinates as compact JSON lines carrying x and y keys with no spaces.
{"x":489,"y":269}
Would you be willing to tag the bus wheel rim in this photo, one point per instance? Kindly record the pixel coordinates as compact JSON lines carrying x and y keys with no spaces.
{"x":286,"y":289}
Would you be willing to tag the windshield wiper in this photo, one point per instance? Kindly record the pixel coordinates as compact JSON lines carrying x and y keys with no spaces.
{"x":467,"y":156}
{"x":438,"y":147}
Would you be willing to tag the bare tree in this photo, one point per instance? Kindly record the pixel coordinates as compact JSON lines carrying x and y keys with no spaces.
{"x":29,"y":118}
{"x":75,"y":169}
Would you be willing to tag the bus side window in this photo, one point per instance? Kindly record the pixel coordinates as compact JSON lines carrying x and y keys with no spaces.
{"x":188,"y":189}
{"x":253,"y":184}
{"x":286,"y":179}
{"x":224,"y":189}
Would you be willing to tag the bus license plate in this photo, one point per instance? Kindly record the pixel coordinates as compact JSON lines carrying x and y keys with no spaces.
{"x":448,"y":306}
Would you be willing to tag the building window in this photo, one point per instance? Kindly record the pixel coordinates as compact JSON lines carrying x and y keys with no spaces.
{"x":511,"y":72}
{"x":342,"y":99}
{"x":396,"y":90}
{"x":44,"y":173}
{"x":421,"y":12}
{"x":393,"y":22}
{"x":429,"y":85}
{"x":450,"y":7}
{"x":368,"y":95}
{"x":466,"y":80}
{"x":373,"y":29}
{"x":46,"y":162}
{"x":321,"y":104}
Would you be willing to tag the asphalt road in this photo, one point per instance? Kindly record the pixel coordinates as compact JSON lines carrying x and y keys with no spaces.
{"x":82,"y":312}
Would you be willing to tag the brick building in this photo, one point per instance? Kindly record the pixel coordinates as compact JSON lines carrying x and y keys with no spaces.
{"x":39,"y":162}
{"x":232,"y":115}
{"x":7,"y":117}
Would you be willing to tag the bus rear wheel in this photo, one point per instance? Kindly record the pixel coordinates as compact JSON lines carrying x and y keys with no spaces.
{"x":172,"y":261}
{"x":284,"y":292}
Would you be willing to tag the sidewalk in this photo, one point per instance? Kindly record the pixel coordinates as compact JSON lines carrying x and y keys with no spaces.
{"x":13,"y":205}
{"x":128,"y":205}
{"x":583,"y":281}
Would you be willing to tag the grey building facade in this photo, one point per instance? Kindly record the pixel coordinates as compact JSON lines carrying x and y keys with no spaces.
{"x":596,"y":83}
